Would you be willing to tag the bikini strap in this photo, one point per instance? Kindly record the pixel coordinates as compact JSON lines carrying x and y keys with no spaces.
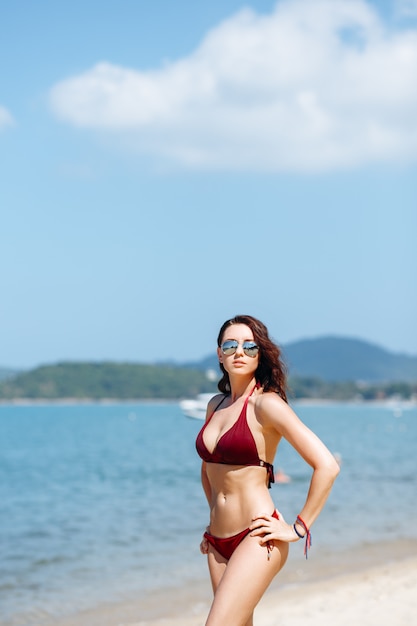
{"x":249,"y":394}
{"x":270,"y":473}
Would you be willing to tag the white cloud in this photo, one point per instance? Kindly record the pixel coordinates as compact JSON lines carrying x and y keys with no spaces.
{"x":6,"y":118}
{"x":318,"y":84}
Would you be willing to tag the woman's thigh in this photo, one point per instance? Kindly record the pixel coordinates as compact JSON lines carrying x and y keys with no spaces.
{"x":217,"y":566}
{"x":241,"y":583}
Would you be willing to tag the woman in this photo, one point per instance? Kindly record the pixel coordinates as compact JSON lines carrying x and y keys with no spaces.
{"x":247,"y":540}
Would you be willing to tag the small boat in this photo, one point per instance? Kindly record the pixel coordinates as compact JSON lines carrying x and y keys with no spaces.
{"x":196,"y":408}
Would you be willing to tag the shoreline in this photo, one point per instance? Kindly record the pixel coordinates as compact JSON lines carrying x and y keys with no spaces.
{"x":373,"y":583}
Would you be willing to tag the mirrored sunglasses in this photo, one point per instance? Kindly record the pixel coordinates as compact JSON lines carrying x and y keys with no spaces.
{"x":250,"y":348}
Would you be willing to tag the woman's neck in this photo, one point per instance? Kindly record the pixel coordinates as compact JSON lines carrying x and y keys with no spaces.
{"x":241,"y":387}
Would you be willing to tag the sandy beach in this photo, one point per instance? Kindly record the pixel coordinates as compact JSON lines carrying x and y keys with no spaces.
{"x":372,"y":585}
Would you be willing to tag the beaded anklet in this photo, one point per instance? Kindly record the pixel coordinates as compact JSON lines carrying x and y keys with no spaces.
{"x":307,"y":536}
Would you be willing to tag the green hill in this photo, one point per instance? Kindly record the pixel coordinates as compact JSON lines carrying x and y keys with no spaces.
{"x":328,"y":367}
{"x":105,"y":380}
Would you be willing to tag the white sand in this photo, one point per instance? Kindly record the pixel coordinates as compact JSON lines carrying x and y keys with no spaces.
{"x":382,"y":596}
{"x":376,"y":597}
{"x":373,"y":585}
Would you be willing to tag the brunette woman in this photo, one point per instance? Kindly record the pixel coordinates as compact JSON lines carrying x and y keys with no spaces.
{"x":247,"y":540}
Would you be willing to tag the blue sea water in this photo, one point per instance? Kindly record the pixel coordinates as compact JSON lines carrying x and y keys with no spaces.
{"x":103,"y":501}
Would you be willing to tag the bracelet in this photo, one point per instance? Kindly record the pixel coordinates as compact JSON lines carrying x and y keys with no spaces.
{"x":307,"y":536}
{"x":297,"y":533}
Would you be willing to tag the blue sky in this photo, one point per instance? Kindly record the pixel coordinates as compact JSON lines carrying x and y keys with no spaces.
{"x":164,"y":166}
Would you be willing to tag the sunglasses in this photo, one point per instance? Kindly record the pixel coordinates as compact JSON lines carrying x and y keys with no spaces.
{"x":250,"y":348}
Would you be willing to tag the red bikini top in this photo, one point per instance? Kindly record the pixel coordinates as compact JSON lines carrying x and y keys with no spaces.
{"x":236,"y":446}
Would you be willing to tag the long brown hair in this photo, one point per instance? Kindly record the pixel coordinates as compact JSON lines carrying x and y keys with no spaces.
{"x":271,"y":373}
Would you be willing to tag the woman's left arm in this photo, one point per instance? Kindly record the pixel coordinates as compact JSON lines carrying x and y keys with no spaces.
{"x":276,"y":415}
{"x":282,"y":418}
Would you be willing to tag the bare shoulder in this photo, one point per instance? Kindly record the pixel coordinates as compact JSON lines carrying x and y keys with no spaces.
{"x":270,"y":402}
{"x":276,"y":415}
{"x":274,"y":411}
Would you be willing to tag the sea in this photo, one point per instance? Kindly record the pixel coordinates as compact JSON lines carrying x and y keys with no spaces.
{"x":102,"y":502}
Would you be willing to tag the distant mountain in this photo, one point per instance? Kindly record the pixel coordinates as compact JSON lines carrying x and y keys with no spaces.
{"x":340,"y":359}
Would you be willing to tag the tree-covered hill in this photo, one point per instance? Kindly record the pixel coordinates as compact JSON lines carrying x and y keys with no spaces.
{"x":329,"y":367}
{"x":130,"y":381}
{"x":105,"y":380}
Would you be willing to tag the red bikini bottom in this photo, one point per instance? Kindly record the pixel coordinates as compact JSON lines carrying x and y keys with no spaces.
{"x":227,"y":545}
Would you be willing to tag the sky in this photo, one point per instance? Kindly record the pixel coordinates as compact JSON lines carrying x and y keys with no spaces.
{"x":167,"y":165}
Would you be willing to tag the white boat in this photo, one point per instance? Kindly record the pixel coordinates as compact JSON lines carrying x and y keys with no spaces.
{"x":196,"y":408}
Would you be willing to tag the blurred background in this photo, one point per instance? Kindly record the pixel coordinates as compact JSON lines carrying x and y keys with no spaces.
{"x":165,"y":166}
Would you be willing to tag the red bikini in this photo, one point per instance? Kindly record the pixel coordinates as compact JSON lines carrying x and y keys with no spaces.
{"x":227,"y":545}
{"x":236,"y":447}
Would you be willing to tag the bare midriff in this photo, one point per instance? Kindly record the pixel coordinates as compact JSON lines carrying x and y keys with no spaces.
{"x":238,"y":495}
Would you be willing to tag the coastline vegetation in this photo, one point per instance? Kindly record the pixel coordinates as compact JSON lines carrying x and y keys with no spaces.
{"x":316,"y":388}
{"x":132,"y":381}
{"x":105,"y":380}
